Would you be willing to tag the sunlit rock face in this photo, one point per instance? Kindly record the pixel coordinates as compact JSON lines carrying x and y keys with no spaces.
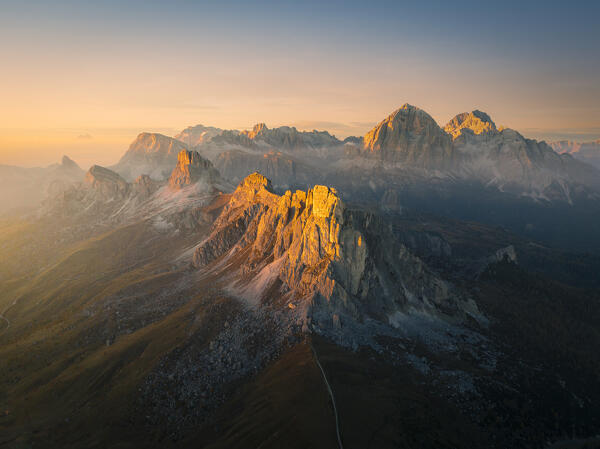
{"x":478,"y":122}
{"x":260,"y":129}
{"x":512,"y":162}
{"x":152,"y":154}
{"x":190,"y":169}
{"x":411,"y":137}
{"x":333,"y":260}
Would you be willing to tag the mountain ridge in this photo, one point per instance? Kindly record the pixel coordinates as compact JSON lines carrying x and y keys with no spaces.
{"x":588,"y":152}
{"x":158,"y":309}
{"x":336,"y":265}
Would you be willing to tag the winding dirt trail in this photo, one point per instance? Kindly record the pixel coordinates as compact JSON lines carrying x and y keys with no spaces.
{"x":335,"y":412}
{"x":2,"y":317}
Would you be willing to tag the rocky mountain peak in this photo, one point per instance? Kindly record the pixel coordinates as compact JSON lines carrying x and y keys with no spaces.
{"x":256,"y":182}
{"x":150,"y":143}
{"x":190,"y":169}
{"x":325,"y":201}
{"x":336,"y":264}
{"x":407,"y":107}
{"x":198,"y":134}
{"x":257,"y":130}
{"x":106,"y":182}
{"x":98,"y":174}
{"x":588,"y":152}
{"x":69,"y":163}
{"x":150,"y":153}
{"x":410,"y":136}
{"x":477,"y":121}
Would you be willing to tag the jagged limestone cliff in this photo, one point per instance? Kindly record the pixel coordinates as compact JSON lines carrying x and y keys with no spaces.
{"x":411,"y":137}
{"x":190,"y":169}
{"x":476,"y":121}
{"x":336,"y":262}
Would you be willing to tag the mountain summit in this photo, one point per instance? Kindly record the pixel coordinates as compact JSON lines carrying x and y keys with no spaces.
{"x":336,"y":265}
{"x":191,"y":168}
{"x":106,"y":182}
{"x":152,"y":154}
{"x":410,"y":136}
{"x":588,"y":152}
{"x":69,"y":164}
{"x":476,"y":121}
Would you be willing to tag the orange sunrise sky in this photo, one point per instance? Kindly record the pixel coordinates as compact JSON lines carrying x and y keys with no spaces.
{"x":83,"y":80}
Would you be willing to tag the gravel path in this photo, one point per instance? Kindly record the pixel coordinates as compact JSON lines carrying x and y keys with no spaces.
{"x":337,"y":421}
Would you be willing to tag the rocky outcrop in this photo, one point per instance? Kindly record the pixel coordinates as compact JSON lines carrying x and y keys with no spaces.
{"x":477,"y":122}
{"x":105,"y":198}
{"x":98,"y":197}
{"x":572,"y":147}
{"x":410,"y":137}
{"x":353,"y":140}
{"x":260,"y":137}
{"x":106,"y":183}
{"x":289,"y":138}
{"x":588,"y":152}
{"x":152,"y":154}
{"x":260,"y":129}
{"x":333,"y":260}
{"x":512,"y":162}
{"x":144,"y":186}
{"x":198,"y":135}
{"x":68,"y":164}
{"x":191,"y":168}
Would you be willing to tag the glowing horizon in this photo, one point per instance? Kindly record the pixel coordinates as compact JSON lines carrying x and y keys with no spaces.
{"x":85,"y":79}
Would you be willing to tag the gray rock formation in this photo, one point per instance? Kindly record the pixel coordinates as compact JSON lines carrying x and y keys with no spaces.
{"x":407,"y":150}
{"x":289,"y":138}
{"x":588,"y":152}
{"x":410,"y":136}
{"x":478,"y":122}
{"x":191,"y":168}
{"x":512,"y":162}
{"x":106,"y":183}
{"x":198,"y":135}
{"x":329,"y":260}
{"x":152,"y":154}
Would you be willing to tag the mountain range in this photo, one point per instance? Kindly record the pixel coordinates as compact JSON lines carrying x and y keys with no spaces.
{"x":278,"y":288}
{"x":22,"y":189}
{"x":586,"y":151}
{"x":469,"y":148}
{"x":407,"y":161}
